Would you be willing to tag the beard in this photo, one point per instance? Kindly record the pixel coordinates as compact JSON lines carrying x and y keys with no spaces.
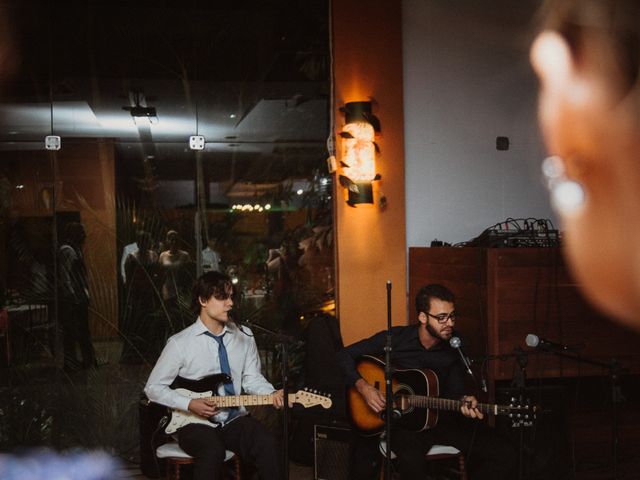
{"x":434,"y":333}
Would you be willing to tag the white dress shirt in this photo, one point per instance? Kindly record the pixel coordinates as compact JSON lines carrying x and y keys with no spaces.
{"x":210,"y":260}
{"x":128,"y":249}
{"x":194,"y":355}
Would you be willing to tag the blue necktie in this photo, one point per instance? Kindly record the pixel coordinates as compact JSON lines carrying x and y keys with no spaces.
{"x":224,"y":366}
{"x":224,"y":362}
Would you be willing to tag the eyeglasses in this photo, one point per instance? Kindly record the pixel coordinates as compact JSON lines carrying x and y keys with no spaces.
{"x":443,"y":317}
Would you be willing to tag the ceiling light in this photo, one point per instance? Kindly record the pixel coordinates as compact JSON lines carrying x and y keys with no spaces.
{"x":140,"y":109}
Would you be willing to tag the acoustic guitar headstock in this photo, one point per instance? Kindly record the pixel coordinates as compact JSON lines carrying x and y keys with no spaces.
{"x":521,"y":412}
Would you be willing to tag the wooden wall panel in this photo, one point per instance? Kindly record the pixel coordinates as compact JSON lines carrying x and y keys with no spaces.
{"x":463,"y":271}
{"x":505,"y":294}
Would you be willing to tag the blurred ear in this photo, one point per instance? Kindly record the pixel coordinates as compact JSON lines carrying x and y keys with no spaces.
{"x":202,"y":301}
{"x":572,"y":98}
{"x":422,"y":317}
{"x":552,"y":60}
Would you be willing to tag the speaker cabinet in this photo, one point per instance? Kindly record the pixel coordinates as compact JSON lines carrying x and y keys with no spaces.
{"x":151,"y":436}
{"x":331,"y":452}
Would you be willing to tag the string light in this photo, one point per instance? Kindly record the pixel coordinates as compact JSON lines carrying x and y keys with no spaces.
{"x":248,"y":207}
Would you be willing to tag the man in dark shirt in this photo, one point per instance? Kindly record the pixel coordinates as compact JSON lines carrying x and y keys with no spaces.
{"x":426,"y":346}
{"x":73,"y":306}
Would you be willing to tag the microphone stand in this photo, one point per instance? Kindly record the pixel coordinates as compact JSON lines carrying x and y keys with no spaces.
{"x":388,"y":374}
{"x":519,"y":382}
{"x":283,"y":341}
{"x":615,"y":369}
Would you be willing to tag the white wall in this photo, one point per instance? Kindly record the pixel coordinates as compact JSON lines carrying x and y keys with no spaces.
{"x":467,"y":80}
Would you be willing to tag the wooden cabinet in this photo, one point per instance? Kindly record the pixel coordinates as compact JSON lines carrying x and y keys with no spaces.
{"x":503,"y":295}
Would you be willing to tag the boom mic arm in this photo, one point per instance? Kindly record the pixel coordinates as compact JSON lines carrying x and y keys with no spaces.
{"x":456,"y":343}
{"x":534,"y":341}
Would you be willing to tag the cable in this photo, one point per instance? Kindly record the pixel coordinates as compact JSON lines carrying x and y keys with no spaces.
{"x":161,"y":424}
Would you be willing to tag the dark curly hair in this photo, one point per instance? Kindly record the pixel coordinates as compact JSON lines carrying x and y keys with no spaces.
{"x":433,"y":290}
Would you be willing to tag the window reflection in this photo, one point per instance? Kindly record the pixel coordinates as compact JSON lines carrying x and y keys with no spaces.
{"x":82,"y":321}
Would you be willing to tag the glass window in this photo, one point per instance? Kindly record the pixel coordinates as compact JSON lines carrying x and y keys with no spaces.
{"x":192,"y":137}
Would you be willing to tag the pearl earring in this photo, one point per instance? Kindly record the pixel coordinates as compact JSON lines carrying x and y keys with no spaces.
{"x":567,"y":196}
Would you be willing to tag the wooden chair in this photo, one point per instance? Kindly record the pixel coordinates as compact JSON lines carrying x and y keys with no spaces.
{"x":445,"y":452}
{"x":437,"y":452}
{"x":176,"y":457}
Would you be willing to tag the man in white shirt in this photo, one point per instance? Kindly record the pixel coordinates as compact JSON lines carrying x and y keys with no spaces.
{"x":210,"y":256}
{"x":211,"y":345}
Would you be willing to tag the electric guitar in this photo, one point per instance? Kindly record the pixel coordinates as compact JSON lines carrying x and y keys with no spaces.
{"x":415,"y":398}
{"x":205,"y":388}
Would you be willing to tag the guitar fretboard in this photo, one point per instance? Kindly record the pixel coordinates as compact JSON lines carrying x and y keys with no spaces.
{"x":447,"y":404}
{"x":244,"y":400}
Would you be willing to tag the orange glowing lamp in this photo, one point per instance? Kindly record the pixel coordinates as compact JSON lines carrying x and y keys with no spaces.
{"x":359,"y":152}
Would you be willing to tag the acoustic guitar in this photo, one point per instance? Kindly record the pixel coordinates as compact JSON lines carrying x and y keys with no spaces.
{"x":415,"y":399}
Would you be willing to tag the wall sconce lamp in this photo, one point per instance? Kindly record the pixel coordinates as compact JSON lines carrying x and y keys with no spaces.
{"x":359,"y":152}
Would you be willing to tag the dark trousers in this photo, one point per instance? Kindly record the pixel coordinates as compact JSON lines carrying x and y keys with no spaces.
{"x":487,"y":455}
{"x":74,"y":320}
{"x":244,"y":436}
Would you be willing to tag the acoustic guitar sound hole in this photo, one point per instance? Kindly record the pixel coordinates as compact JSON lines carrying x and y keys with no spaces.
{"x":401,"y":399}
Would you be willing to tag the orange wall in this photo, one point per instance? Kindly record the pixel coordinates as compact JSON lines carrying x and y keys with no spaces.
{"x":371,"y":244}
{"x":86,"y":174}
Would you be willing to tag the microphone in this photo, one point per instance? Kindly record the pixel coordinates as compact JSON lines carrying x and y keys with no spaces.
{"x":534,"y":341}
{"x":240,"y":323}
{"x":456,"y":343}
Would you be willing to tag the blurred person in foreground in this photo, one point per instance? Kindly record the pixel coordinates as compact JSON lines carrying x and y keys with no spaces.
{"x":587,"y":57}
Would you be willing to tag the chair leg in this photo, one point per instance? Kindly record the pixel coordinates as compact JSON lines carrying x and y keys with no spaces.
{"x":176,"y":472}
{"x":238,"y":472}
{"x":462,"y":467}
{"x":173,"y":469}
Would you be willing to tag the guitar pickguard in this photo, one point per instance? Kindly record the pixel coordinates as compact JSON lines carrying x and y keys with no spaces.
{"x":180,"y":418}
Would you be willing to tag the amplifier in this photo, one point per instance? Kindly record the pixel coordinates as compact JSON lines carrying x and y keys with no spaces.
{"x":151,"y":436}
{"x":331,"y":452}
{"x":516,"y":239}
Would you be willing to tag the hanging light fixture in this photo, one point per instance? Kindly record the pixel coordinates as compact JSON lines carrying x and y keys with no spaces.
{"x":139,"y":108}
